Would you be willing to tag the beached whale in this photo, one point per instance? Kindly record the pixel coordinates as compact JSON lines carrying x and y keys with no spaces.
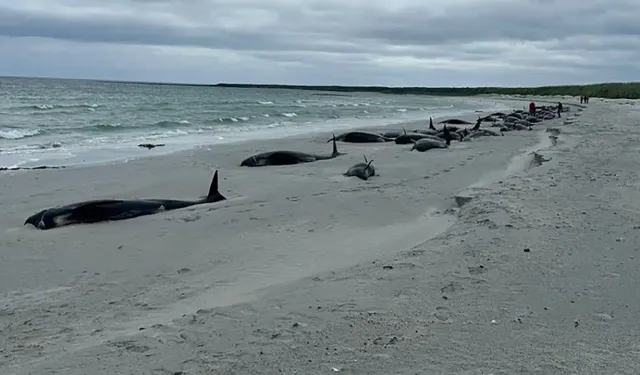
{"x":489,"y":118}
{"x":362,"y":137}
{"x":453,"y":133}
{"x":455,"y":121}
{"x":426,"y":144}
{"x":481,"y":133}
{"x":114,"y":209}
{"x":407,"y":138}
{"x":426,"y":131}
{"x":466,"y":131}
{"x":430,"y":131}
{"x":362,"y":170}
{"x":287,"y":157}
{"x":391,"y":134}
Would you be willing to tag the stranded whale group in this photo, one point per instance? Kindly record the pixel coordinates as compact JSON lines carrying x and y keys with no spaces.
{"x":421,"y":140}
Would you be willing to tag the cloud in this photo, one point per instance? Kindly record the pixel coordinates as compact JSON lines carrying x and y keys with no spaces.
{"x":357,"y":42}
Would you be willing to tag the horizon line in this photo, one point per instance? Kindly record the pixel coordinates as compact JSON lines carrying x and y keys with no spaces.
{"x":308,"y":86}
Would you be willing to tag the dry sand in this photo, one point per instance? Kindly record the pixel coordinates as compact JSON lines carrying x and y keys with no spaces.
{"x":305,"y":271}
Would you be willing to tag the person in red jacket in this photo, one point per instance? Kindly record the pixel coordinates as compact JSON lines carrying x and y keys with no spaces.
{"x":532,"y":108}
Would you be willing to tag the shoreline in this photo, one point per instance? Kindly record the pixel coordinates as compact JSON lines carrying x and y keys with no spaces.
{"x":181,"y":146}
{"x":129,"y":150}
{"x":282,"y":230}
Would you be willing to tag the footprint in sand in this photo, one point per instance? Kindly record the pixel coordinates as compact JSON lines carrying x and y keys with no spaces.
{"x":442,"y":313}
{"x":611,"y":275}
{"x":602,"y":317}
{"x":130,"y":346}
{"x":191,"y":218}
{"x":452,"y":288}
{"x":477,"y":270}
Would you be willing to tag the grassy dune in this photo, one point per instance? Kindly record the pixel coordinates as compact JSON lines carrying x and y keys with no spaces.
{"x":630,"y":90}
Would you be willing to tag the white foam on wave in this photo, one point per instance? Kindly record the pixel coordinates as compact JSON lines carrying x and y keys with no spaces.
{"x":18,"y":133}
{"x":232,"y":129}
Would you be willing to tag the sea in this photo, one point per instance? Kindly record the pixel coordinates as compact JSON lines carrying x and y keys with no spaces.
{"x":55,"y":122}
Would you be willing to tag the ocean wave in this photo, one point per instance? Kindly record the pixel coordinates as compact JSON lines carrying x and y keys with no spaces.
{"x":102,"y":127}
{"x":114,"y":127}
{"x":13,"y":134}
{"x":226,"y":120}
{"x":170,"y":124}
{"x":55,"y":122}
{"x":46,"y":107}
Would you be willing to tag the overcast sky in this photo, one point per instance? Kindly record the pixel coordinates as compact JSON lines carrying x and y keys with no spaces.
{"x":348,"y":42}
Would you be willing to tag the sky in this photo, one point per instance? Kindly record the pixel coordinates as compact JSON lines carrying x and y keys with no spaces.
{"x":325,"y":42}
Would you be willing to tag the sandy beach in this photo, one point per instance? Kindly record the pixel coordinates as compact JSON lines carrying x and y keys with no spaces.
{"x":477,"y":259}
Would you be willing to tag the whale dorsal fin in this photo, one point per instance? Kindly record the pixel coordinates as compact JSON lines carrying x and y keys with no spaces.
{"x":214,"y":194}
{"x":477,"y":125}
{"x":335,"y":152}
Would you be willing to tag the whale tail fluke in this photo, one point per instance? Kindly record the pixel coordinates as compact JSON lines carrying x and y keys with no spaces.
{"x":214,"y":194}
{"x":368,"y":163}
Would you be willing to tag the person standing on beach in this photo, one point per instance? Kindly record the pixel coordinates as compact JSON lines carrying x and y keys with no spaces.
{"x":559,"y":109}
{"x":581,"y":99}
{"x":532,"y":108}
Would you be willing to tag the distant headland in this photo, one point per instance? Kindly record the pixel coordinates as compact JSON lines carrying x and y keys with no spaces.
{"x":615,"y":90}
{"x":611,"y":90}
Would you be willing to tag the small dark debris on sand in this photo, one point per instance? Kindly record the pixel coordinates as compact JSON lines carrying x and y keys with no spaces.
{"x":149,"y":146}
{"x":538,"y":159}
{"x":30,"y":168}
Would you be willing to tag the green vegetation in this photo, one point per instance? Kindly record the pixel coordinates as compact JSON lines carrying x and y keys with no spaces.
{"x":630,"y":90}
